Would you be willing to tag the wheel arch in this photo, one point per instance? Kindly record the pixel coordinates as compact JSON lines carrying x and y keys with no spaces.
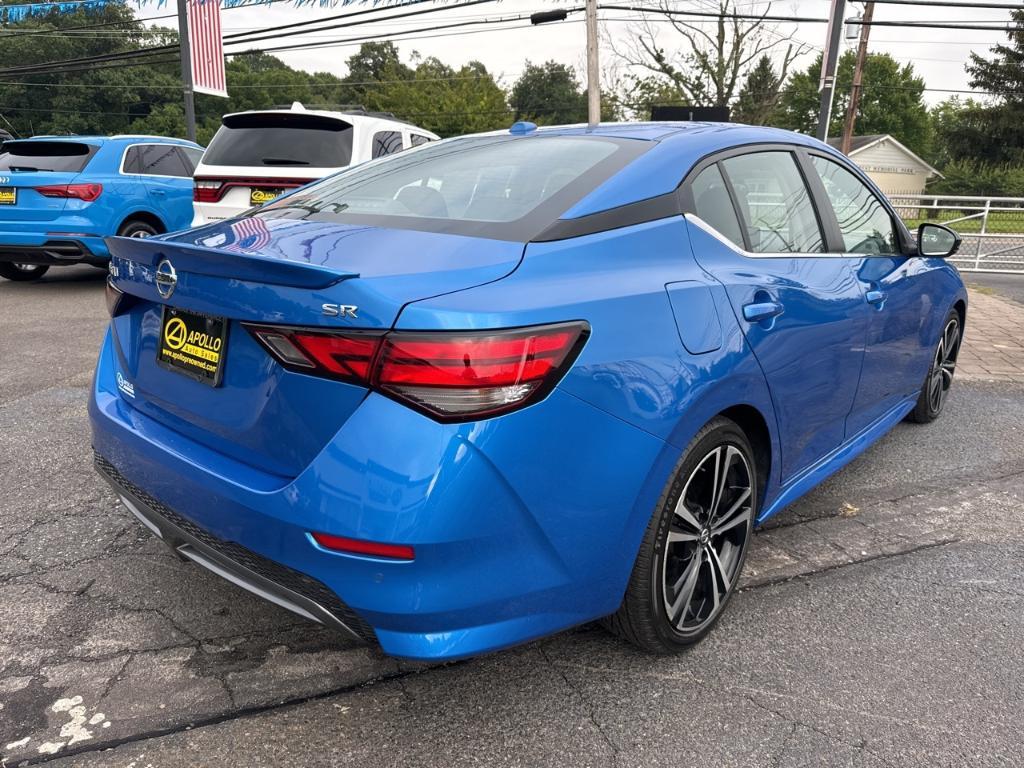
{"x":144,"y":216}
{"x":755,"y":427}
{"x":961,"y":309}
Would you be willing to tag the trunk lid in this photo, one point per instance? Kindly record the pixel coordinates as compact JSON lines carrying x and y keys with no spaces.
{"x":277,"y":272}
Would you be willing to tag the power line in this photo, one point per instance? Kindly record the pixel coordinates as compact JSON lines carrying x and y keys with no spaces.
{"x":799,"y":19}
{"x":237,"y":39}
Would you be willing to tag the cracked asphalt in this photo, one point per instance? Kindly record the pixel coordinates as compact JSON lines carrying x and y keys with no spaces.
{"x":879,"y":624}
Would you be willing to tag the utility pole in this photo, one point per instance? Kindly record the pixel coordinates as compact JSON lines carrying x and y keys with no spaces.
{"x":829,"y":64}
{"x":593,"y":73}
{"x":858,"y":78}
{"x":186,"y":70}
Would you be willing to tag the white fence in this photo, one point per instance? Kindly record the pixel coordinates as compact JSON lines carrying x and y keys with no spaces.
{"x":992,"y":227}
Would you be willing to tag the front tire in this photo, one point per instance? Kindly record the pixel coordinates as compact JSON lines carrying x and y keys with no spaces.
{"x":22,"y":272}
{"x":695,"y":545}
{"x":932,"y":398}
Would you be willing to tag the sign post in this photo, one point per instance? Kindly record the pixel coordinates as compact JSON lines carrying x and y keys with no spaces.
{"x":829,"y":64}
{"x":186,"y":70}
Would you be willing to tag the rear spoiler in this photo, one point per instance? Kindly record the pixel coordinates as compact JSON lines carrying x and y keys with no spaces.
{"x":221,"y":262}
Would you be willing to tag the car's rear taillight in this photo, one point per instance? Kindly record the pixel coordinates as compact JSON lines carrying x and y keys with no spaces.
{"x":206,"y":190}
{"x":85,"y":192}
{"x":449,"y":375}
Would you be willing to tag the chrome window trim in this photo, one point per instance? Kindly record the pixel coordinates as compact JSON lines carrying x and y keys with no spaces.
{"x":124,"y":156}
{"x":700,"y":223}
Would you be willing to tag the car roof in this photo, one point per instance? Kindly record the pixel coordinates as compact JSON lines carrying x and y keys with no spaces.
{"x":105,"y":139}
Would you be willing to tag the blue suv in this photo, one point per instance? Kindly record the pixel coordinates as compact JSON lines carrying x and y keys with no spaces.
{"x":61,"y":195}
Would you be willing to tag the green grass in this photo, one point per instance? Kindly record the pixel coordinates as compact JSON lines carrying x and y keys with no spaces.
{"x":999,"y":223}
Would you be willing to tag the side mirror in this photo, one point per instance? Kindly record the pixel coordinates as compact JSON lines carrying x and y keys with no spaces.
{"x":937,"y":241}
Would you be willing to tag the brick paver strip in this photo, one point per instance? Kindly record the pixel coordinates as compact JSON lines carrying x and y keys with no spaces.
{"x":993,"y":348}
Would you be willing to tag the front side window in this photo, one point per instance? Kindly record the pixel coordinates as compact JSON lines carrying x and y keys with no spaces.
{"x":865,"y":224}
{"x":713,"y":205}
{"x":485,"y":179}
{"x":418,"y":140}
{"x":775,"y":206}
{"x":386,"y":143}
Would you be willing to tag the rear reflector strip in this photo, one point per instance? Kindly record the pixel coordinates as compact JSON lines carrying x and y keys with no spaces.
{"x":360,"y":547}
{"x":449,"y":375}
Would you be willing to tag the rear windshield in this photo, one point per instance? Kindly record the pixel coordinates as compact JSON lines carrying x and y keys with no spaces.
{"x":66,"y":156}
{"x":478,"y":185}
{"x":280,"y":140}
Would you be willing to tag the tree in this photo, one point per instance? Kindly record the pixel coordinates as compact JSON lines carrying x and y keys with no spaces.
{"x":891,"y":102}
{"x":374,"y":63}
{"x":700,"y":67}
{"x":989,"y":133}
{"x":106,"y":100}
{"x":759,"y":96}
{"x":1003,"y":75}
{"x":444,"y":100}
{"x":548,"y":94}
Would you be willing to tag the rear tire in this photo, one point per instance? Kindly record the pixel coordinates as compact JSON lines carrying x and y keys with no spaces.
{"x":932,"y":398}
{"x":136,"y":228}
{"x":695,"y":545}
{"x":23,"y":273}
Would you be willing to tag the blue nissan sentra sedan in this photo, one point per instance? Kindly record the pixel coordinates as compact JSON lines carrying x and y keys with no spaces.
{"x":60,"y":196}
{"x":493,"y":387}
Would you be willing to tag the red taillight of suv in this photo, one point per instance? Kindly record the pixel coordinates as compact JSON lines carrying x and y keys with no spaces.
{"x":449,"y":375}
{"x":84,"y":192}
{"x":206,"y":190}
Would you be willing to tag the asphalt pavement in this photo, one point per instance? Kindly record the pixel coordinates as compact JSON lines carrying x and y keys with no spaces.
{"x":880,"y":620}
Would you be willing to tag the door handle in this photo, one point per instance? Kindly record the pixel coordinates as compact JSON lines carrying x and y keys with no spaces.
{"x":875,"y":296}
{"x":764,"y":310}
{"x":159,"y":193}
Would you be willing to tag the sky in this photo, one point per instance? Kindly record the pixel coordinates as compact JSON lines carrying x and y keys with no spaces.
{"x":937,"y":55}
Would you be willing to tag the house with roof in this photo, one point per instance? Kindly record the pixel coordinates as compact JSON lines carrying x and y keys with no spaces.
{"x":894,"y":168}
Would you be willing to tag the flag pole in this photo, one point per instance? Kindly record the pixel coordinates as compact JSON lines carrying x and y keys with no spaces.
{"x":186,"y":70}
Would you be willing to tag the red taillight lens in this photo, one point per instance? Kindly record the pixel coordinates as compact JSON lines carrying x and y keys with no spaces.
{"x":360,"y":547}
{"x":206,"y":191}
{"x":452,"y":376}
{"x":85,"y":192}
{"x":455,"y":375}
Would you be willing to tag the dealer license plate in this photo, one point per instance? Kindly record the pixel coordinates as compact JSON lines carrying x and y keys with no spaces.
{"x":193,"y":345}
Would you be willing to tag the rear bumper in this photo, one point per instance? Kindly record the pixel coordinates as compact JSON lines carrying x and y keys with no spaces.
{"x":290,"y":589}
{"x":522,"y":525}
{"x":53,"y":251}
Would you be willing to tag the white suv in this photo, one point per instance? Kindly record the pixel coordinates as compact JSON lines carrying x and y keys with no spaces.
{"x":256,"y":156}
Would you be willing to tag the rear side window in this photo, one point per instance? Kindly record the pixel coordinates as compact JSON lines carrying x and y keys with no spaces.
{"x":276,"y":140}
{"x":419,"y":140}
{"x":865,"y":224}
{"x":712,"y":203}
{"x":65,"y":156}
{"x":775,"y":206}
{"x":386,"y":143}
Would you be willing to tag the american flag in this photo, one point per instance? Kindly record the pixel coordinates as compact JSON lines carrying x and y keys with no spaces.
{"x":251,"y":234}
{"x":206,"y":48}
